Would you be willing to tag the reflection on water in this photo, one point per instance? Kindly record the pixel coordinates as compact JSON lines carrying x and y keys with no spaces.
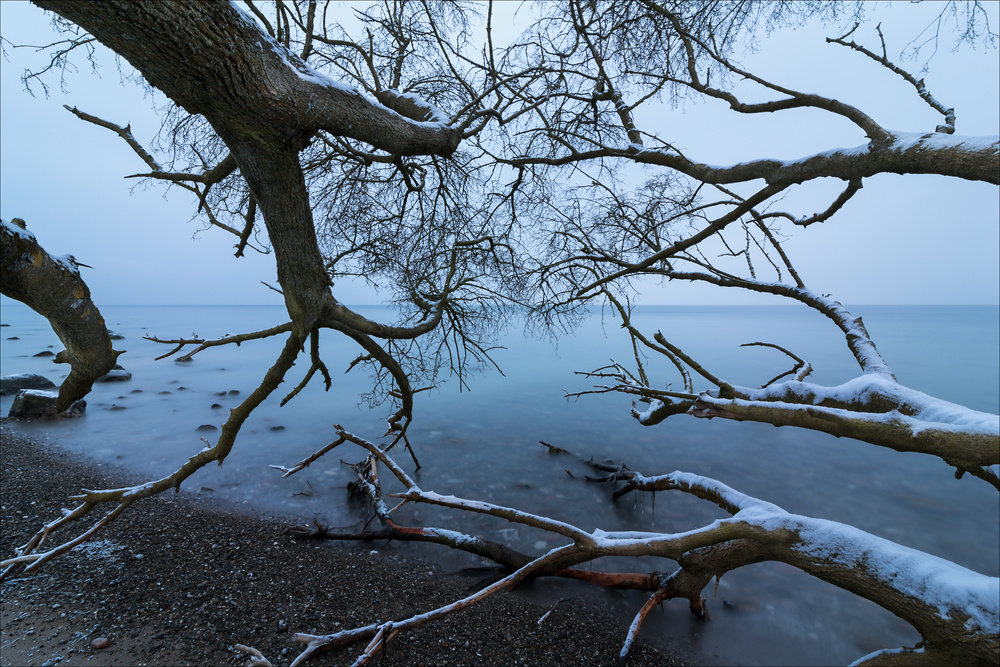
{"x":483,"y":443}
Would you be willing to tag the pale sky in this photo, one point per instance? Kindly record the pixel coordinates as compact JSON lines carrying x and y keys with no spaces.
{"x":906,"y":240}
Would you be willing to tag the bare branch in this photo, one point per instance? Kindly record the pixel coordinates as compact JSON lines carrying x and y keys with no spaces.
{"x":949,"y":114}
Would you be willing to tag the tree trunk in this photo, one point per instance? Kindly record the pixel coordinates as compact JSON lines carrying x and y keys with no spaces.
{"x":265,"y":103}
{"x":54,"y":289}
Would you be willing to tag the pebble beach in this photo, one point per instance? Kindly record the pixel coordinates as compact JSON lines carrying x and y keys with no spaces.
{"x":180,"y":581}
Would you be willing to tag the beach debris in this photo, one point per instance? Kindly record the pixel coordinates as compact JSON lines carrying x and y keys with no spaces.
{"x":258,"y":659}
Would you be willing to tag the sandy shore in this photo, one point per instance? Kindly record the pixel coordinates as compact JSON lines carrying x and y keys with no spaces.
{"x":177,"y":581}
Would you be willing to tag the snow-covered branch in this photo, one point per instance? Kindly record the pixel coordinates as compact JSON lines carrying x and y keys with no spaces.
{"x":956,"y":610}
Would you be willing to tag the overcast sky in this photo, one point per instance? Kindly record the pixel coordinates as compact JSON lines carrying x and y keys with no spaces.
{"x":910,"y":240}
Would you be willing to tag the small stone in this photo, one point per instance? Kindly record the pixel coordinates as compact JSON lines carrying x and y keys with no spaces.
{"x":45,"y":353}
{"x":216,"y":406}
{"x":207,"y":427}
{"x":99,"y":643}
{"x":116,"y":375}
{"x":277,"y":428}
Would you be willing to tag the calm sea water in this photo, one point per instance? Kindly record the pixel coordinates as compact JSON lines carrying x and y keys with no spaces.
{"x":483,"y":443}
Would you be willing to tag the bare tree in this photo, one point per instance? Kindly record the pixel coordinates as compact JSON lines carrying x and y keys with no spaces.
{"x":670,"y":226}
{"x":474,"y":180}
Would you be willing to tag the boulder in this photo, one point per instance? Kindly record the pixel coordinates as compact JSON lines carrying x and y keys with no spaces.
{"x":11,"y":384}
{"x":35,"y":403}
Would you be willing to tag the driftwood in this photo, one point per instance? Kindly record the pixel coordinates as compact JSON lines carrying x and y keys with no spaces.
{"x":956,"y":611}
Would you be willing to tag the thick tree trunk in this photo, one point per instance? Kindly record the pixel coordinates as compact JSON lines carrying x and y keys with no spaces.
{"x":275,"y":178}
{"x":212,"y":59}
{"x":53,"y":288}
{"x":265,"y":103}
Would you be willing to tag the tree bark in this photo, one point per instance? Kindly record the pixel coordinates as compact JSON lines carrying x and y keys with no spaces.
{"x":54,"y":289}
{"x":265,"y":103}
{"x":214,"y":60}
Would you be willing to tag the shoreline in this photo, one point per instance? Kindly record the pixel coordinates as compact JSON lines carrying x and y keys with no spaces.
{"x":179,"y":581}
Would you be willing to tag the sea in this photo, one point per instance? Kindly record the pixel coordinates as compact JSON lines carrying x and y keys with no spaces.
{"x":481,"y":440}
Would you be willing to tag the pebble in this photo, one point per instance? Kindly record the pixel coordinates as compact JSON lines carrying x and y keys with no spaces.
{"x":100,"y":642}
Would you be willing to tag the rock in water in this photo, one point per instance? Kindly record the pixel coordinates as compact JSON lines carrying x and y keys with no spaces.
{"x":116,"y":375}
{"x":35,"y":403}
{"x":11,"y":384}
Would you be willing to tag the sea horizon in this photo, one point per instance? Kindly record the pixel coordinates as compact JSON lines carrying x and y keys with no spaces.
{"x":481,"y":442}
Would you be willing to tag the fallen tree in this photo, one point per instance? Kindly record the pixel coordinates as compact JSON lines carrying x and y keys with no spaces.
{"x":506,"y":201}
{"x":956,"y":610}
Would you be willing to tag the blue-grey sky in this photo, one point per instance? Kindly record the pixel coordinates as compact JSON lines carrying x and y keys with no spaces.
{"x":912,"y":239}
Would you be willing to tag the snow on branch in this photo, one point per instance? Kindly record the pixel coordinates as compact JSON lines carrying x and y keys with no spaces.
{"x":956,"y":610}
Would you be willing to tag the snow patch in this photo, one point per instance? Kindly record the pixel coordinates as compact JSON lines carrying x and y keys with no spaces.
{"x":929,"y":412}
{"x":952,"y":590}
{"x":17,"y":231}
{"x":99,"y":549}
{"x":67,"y":262}
{"x":939,"y":141}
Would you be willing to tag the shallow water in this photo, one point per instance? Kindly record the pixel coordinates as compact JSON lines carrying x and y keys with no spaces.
{"x":483,"y":444}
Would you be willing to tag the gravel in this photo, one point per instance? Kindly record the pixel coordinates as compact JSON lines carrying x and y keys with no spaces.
{"x":179,"y":581}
